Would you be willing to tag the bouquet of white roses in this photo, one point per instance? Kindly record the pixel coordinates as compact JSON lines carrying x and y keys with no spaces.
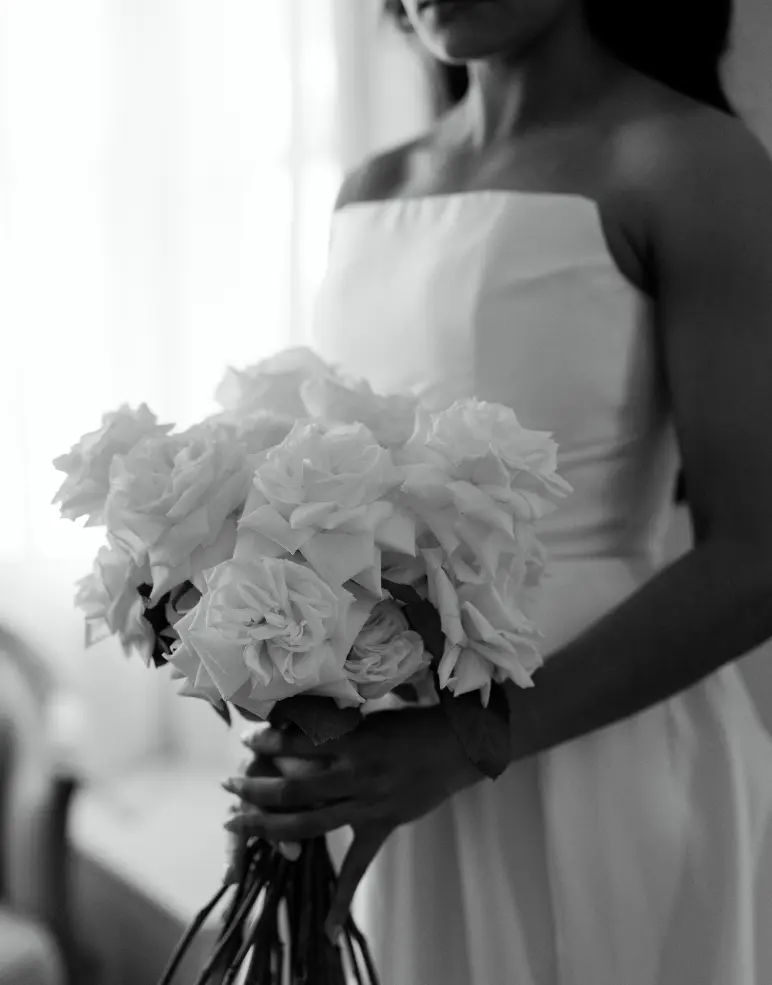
{"x":311,"y":548}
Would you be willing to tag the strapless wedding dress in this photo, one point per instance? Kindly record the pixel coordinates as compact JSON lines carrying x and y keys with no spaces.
{"x":638,"y":855}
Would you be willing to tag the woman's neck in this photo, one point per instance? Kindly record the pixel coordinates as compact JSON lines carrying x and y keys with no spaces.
{"x":557,"y":81}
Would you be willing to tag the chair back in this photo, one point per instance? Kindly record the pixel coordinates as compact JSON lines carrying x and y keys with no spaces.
{"x":36,"y":787}
{"x":26,"y":768}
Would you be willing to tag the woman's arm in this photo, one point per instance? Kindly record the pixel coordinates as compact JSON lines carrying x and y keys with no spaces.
{"x":709,"y":608}
{"x":708,"y":198}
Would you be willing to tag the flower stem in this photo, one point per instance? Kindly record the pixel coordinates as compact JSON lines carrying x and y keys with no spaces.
{"x":182,"y":948}
{"x":253,"y":930}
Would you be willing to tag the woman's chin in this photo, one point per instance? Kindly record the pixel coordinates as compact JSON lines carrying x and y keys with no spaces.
{"x":463,"y":32}
{"x":459,"y":47}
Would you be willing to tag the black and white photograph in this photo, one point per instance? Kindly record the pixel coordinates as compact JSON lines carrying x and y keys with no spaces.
{"x":385,"y":492}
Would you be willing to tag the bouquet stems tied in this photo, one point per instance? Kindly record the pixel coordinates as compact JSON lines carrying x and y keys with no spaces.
{"x":272,"y":931}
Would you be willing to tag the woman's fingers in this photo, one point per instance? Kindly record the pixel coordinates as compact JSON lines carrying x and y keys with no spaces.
{"x":256,"y":766}
{"x":272,"y":742}
{"x":365,"y":846}
{"x":295,"y":827}
{"x":288,"y":774}
{"x":234,"y":864}
{"x":291,"y":850}
{"x":259,"y":766}
{"x":280,"y":793}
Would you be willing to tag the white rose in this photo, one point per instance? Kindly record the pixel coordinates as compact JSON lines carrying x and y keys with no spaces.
{"x":386,"y":653}
{"x":110,"y":599}
{"x":487,"y":635}
{"x":485,"y":445}
{"x":262,"y":431}
{"x":173,"y":502}
{"x":258,"y":432}
{"x":87,"y":464}
{"x":185,"y":665}
{"x":477,"y":488}
{"x":391,"y":419}
{"x":327,"y":494}
{"x":270,"y":629}
{"x":271,"y":385}
{"x":473,"y":429}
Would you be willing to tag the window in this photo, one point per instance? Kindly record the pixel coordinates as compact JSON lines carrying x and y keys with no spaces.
{"x":167,"y":171}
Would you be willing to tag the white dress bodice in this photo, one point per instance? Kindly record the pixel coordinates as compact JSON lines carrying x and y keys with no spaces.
{"x":514,"y":298}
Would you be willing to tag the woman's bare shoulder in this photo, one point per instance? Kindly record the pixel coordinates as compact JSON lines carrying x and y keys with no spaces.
{"x":382,"y":175}
{"x":669,"y":155}
{"x":667,"y":143}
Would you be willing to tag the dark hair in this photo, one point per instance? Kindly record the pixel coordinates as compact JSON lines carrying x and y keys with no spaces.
{"x":683,"y":52}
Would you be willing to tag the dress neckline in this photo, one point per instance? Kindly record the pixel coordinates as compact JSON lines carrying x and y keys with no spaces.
{"x":407,"y":204}
{"x":471,"y":194}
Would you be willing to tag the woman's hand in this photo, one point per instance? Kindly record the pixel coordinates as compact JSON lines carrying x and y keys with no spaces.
{"x":396,"y":767}
{"x":257,"y":766}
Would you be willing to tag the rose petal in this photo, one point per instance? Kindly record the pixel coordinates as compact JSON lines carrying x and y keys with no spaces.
{"x":472,"y":500}
{"x":339,"y":557}
{"x":462,"y":671}
{"x":443,"y":597}
{"x":270,"y":523}
{"x":397,"y":533}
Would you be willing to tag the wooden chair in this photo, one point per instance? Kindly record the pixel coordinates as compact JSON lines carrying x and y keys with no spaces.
{"x":37,"y":942}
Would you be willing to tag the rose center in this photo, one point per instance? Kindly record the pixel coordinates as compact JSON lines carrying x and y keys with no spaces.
{"x":273,"y":625}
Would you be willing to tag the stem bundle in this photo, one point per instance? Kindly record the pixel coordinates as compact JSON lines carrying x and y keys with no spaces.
{"x":273,"y":930}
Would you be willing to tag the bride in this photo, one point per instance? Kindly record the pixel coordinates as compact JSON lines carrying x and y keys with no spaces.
{"x":586,"y":236}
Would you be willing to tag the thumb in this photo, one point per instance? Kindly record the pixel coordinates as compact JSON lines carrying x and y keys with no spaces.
{"x":365,"y":846}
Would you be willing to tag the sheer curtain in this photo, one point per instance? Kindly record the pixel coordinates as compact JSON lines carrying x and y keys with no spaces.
{"x":167,"y":170}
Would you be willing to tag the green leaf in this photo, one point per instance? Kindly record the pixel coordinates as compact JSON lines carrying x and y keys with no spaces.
{"x":425,"y":620}
{"x":223,"y":711}
{"x":407,"y":692}
{"x":422,"y":617}
{"x":402,"y":593}
{"x":155,"y":618}
{"x":483,"y":732}
{"x":320,"y":718}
